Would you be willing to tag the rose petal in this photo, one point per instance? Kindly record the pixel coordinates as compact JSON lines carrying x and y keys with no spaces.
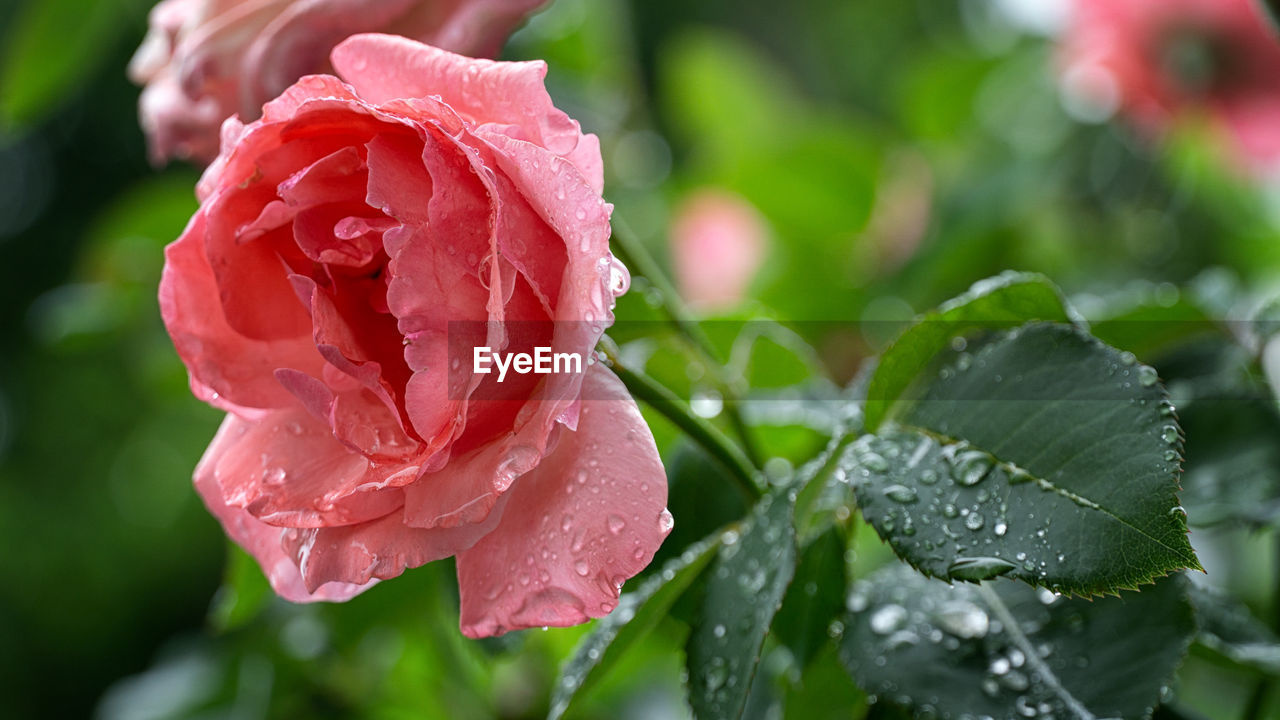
{"x":381,"y":549}
{"x":386,"y":67}
{"x":227,"y":369}
{"x":259,"y":539}
{"x":591,"y":515}
{"x":287,"y":469}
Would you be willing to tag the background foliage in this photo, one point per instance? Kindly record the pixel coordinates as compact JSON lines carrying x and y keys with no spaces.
{"x":899,"y":150}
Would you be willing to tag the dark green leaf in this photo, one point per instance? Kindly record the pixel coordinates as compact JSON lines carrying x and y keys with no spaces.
{"x":815,"y":598}
{"x":701,"y":495}
{"x":1000,"y":302}
{"x":637,"y":613}
{"x":1006,"y":650}
{"x":1233,"y":460}
{"x":1271,"y":8}
{"x":1045,"y":456}
{"x":744,"y":590}
{"x":1230,"y":630}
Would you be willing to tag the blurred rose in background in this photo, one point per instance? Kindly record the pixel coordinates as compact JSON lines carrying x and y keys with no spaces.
{"x":1160,"y":62}
{"x":204,"y":60}
{"x":718,"y":242}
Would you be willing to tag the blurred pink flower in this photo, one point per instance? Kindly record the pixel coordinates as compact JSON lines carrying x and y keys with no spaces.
{"x":205,"y":60}
{"x":1161,"y":61}
{"x":718,"y":241}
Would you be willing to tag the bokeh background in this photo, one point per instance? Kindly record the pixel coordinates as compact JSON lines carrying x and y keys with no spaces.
{"x":881,"y":155}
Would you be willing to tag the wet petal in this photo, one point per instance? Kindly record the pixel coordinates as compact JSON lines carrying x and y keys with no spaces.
{"x":379,"y":549}
{"x":287,"y":469}
{"x":227,"y":368}
{"x":259,"y":539}
{"x":591,"y":515}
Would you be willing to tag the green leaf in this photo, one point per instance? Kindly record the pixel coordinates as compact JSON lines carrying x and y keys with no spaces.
{"x":824,"y":690}
{"x":45,"y":56}
{"x":244,"y":592}
{"x":1233,"y":460}
{"x":815,"y":598}
{"x":701,"y":494}
{"x":1149,"y":328}
{"x":1000,"y":302}
{"x":1045,"y":456}
{"x":1230,"y":630}
{"x":744,"y":590}
{"x":1006,"y":650}
{"x":1266,"y":321}
{"x":637,"y":614}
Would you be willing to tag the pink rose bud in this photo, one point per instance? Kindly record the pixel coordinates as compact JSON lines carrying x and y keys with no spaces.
{"x":354,"y":250}
{"x":718,"y":241}
{"x":205,"y":60}
{"x":1161,"y":61}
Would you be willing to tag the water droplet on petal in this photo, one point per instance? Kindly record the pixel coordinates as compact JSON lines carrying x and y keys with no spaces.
{"x":615,"y":524}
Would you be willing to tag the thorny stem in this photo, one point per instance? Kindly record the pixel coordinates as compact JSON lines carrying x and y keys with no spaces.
{"x":746,"y":478}
{"x":635,"y":256}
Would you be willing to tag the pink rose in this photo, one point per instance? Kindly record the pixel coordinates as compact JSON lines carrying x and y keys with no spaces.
{"x":717,"y":244}
{"x":205,"y":60}
{"x":1158,"y":61}
{"x":346,"y":244}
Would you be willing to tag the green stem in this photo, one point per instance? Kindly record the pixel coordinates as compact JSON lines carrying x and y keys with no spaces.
{"x":634,"y":255}
{"x":746,"y":478}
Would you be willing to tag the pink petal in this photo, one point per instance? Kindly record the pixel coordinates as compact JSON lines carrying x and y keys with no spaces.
{"x":297,"y":41}
{"x":259,"y":539}
{"x":287,"y":469}
{"x":591,"y":515}
{"x":471,"y":27}
{"x":227,"y":369}
{"x":381,"y":549}
{"x":387,"y":67}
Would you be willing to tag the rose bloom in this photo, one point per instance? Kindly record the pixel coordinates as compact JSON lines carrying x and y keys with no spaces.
{"x":352,"y":248}
{"x":1157,"y":61}
{"x":205,"y":60}
{"x":718,"y":242}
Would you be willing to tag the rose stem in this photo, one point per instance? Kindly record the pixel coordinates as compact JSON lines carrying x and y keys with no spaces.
{"x":634,"y":255}
{"x":716,"y":443}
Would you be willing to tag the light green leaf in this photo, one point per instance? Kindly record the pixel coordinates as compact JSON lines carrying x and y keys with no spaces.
{"x":744,"y":590}
{"x":1045,"y":456}
{"x":244,"y":592}
{"x":637,"y":613}
{"x":1005,"y":650}
{"x":1004,"y":301}
{"x":45,"y":56}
